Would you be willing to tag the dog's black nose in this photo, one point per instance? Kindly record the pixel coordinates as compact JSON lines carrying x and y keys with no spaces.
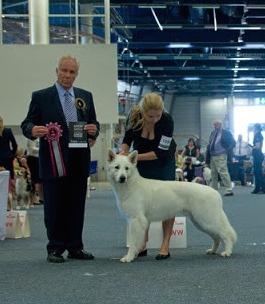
{"x":122,"y":179}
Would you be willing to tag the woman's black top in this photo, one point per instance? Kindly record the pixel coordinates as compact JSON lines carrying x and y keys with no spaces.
{"x":163,"y":146}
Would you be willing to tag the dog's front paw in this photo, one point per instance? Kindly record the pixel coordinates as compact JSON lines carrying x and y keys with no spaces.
{"x":126,"y":259}
{"x":210,"y":251}
{"x":225,"y":254}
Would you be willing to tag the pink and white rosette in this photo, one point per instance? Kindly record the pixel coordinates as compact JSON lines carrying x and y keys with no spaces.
{"x":53,"y":135}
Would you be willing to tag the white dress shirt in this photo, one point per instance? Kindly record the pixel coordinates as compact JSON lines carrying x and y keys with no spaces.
{"x":242,"y":148}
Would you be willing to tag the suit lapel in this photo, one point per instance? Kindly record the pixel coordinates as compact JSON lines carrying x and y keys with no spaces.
{"x":80,"y":114}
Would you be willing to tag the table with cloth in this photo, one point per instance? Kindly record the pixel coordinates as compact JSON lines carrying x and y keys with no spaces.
{"x":4,"y":186}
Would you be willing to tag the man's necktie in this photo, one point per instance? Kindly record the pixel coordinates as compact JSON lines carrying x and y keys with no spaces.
{"x":69,"y":108}
{"x":239,"y":148}
{"x":213,"y":141}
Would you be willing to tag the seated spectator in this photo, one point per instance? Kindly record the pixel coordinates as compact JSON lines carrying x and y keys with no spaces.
{"x":179,"y":159}
{"x":20,"y":161}
{"x":191,"y":150}
{"x":188,"y":170}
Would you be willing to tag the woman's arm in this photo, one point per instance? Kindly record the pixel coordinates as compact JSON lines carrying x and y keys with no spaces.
{"x":144,"y":156}
{"x":183,"y":152}
{"x":147,"y":156}
{"x":197,"y":153}
{"x":124,"y":149}
{"x":257,"y":146}
{"x":16,"y":165}
{"x":25,"y":163}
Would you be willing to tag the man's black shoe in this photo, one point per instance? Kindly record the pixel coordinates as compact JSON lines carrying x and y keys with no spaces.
{"x":256,"y":191}
{"x":229,"y":194}
{"x":54,"y":257}
{"x":80,"y":255}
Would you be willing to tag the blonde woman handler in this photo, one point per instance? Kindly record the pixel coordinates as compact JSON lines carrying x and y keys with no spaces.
{"x":150,"y":131}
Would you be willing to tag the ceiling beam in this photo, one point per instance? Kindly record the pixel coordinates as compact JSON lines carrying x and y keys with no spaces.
{"x":232,"y":57}
{"x":231,"y":27}
{"x":187,"y":45}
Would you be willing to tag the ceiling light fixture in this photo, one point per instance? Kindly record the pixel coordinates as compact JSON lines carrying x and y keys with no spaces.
{"x":179,"y":45}
{"x":192,"y":78}
{"x":153,"y":5}
{"x":156,"y":19}
{"x":205,"y":6}
{"x":214,"y":19}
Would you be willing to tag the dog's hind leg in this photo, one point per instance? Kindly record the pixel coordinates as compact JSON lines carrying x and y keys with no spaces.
{"x":18,"y":202}
{"x":207,"y":229}
{"x":138,"y":227}
{"x":227,"y":235}
{"x":26,"y":202}
{"x":216,"y":242}
{"x":228,"y":247}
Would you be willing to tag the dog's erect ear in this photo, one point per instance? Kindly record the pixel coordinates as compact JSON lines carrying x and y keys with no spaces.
{"x":111,"y":155}
{"x":133,"y":157}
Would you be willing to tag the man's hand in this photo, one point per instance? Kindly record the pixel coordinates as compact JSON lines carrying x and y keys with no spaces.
{"x":91,"y":129}
{"x":39,"y":131}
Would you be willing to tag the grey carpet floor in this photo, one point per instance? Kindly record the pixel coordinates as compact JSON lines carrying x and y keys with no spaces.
{"x":189,"y":276}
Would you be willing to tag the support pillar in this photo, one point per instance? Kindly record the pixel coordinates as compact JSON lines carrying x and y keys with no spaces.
{"x":39,"y":21}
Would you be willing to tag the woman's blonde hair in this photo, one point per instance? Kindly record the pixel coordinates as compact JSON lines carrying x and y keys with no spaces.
{"x":150,"y":101}
{"x":20,"y":150}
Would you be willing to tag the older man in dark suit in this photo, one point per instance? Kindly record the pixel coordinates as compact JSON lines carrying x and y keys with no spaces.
{"x":63,"y":169}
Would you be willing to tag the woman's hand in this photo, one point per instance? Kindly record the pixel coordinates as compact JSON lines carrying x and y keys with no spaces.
{"x":122,"y":152}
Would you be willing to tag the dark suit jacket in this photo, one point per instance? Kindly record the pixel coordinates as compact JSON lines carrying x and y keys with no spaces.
{"x":227,"y":142}
{"x":45,"y":107}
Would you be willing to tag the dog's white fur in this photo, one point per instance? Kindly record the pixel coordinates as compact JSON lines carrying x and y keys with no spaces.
{"x":143,"y":200}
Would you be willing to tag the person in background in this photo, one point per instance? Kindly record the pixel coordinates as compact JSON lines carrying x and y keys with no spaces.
{"x":191,"y":150}
{"x":20,"y":162}
{"x":8,"y":149}
{"x":258,"y":158}
{"x":242,"y":151}
{"x":178,"y":158}
{"x":188,"y":170}
{"x":150,"y":130}
{"x":179,"y":164}
{"x":51,"y":111}
{"x":219,"y":151}
{"x":33,"y":163}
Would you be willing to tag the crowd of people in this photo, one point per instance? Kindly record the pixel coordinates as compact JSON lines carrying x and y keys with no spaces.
{"x":222,"y":150}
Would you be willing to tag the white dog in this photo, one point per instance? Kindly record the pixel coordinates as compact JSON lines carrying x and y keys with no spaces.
{"x":143,"y":200}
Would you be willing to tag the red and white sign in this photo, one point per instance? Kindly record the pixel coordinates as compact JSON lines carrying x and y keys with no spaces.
{"x":155,"y":234}
{"x":17,"y":224}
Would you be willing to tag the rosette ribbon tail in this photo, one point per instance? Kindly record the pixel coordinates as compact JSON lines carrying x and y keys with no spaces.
{"x":53,"y":135}
{"x":58,"y":158}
